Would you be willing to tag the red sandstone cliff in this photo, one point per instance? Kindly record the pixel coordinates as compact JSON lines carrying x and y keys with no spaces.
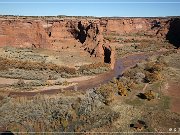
{"x":21,"y":33}
{"x":85,"y":33}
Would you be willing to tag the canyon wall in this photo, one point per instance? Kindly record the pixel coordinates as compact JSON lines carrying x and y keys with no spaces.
{"x":88,"y":34}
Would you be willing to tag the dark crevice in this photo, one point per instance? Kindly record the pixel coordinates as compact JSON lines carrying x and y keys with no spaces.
{"x":107,"y":55}
{"x":49,"y":34}
{"x":173,"y":34}
{"x":92,"y":52}
{"x":88,"y":27}
{"x":97,"y":31}
{"x":155,"y":24}
{"x":82,"y":33}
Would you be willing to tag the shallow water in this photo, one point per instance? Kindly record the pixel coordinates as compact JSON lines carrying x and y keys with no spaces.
{"x":116,"y":72}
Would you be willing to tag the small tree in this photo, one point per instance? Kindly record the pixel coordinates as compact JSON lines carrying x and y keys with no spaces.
{"x":149,"y":95}
{"x":121,"y":89}
{"x":106,"y":91}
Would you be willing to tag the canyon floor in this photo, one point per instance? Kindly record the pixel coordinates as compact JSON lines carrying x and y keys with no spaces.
{"x":129,"y":86}
{"x":99,"y":109}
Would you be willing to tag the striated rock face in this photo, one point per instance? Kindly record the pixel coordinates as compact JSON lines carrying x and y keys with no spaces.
{"x":88,"y":34}
{"x":124,"y":26}
{"x":20,"y":33}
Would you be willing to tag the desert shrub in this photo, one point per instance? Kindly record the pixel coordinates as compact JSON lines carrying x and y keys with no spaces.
{"x":121,"y":89}
{"x":23,"y":54}
{"x":65,"y":83}
{"x":128,"y":73}
{"x":127,"y":82}
{"x":154,"y":66}
{"x":147,"y":46}
{"x":169,"y":52}
{"x":152,"y":77}
{"x":25,"y":74}
{"x":153,"y":71}
{"x":37,"y":83}
{"x":139,"y":77}
{"x":149,"y":95}
{"x":64,"y":123}
{"x":59,"y":81}
{"x":27,"y":65}
{"x":20,"y":83}
{"x":94,"y":68}
{"x":149,"y":67}
{"x":48,"y":83}
{"x":131,"y":73}
{"x":107,"y":92}
{"x":162,"y":60}
{"x":158,"y":67}
{"x":3,"y":64}
{"x":150,"y":71}
{"x":55,"y":114}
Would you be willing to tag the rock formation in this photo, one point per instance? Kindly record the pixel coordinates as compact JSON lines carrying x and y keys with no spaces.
{"x":173,"y":34}
{"x":86,"y":33}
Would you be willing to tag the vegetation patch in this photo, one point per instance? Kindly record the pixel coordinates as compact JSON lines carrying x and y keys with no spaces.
{"x":94,"y":68}
{"x":27,"y":65}
{"x":55,"y":114}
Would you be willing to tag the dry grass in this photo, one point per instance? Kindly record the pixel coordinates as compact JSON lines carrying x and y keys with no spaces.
{"x":55,"y":113}
{"x":107,"y":92}
{"x":94,"y":68}
{"x":27,"y":65}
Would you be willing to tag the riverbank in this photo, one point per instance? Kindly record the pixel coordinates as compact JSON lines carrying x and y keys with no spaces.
{"x":120,"y":66}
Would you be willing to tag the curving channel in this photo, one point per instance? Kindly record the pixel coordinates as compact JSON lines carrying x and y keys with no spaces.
{"x":121,"y":65}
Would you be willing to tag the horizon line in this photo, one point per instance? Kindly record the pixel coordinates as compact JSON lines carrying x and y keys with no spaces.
{"x":166,"y":16}
{"x":98,"y":2}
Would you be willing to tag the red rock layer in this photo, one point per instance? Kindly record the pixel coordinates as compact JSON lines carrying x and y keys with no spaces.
{"x":85,"y":33}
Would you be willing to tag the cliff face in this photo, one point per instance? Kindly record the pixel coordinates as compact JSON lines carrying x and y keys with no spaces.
{"x":173,"y":34}
{"x":22,"y":34}
{"x":85,"y":33}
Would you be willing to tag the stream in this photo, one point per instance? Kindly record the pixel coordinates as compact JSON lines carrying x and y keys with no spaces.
{"x":121,"y":65}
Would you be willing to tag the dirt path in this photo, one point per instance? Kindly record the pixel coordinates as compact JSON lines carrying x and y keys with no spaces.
{"x":145,"y":87}
{"x":174,"y":93}
{"x":9,"y":81}
{"x":119,"y":68}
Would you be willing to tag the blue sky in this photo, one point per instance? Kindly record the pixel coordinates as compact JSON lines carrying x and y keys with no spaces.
{"x":147,"y":8}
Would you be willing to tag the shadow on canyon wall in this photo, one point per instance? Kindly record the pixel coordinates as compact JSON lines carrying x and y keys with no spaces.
{"x":107,"y":55}
{"x":173,"y":34}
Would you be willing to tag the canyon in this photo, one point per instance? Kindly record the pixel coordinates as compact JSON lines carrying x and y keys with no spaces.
{"x":66,"y":74}
{"x":91,"y":34}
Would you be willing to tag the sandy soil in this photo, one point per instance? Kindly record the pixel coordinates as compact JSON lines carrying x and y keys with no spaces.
{"x":74,"y":79}
{"x":173,"y":90}
{"x":71,"y":57}
{"x":7,"y":81}
{"x":60,"y":87}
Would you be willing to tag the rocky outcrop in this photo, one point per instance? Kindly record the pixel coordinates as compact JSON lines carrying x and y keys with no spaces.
{"x":173,"y":34}
{"x":124,"y":26}
{"x":20,"y":33}
{"x":87,"y":34}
